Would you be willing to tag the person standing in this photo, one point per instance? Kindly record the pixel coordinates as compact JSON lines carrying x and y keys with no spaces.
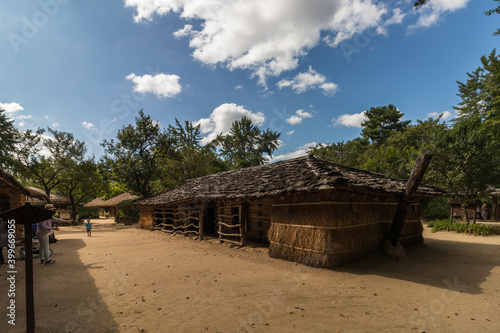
{"x":88,"y":225}
{"x":484,"y":211}
{"x":43,"y":231}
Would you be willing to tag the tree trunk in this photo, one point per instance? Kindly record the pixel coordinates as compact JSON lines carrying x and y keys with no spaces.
{"x":465,"y":215}
{"x":411,"y":188}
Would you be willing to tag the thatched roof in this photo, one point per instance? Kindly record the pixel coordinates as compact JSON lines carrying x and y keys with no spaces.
{"x":119,"y":198}
{"x":494,"y":190}
{"x":38,"y":197}
{"x":97,"y":202}
{"x":301,"y":174}
{"x":7,"y":180}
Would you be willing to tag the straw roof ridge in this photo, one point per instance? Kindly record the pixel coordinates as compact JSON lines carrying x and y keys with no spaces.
{"x":8,"y":179}
{"x":116,"y":200}
{"x":493,"y":190}
{"x":37,"y":196}
{"x":97,"y":202}
{"x":295,"y":175}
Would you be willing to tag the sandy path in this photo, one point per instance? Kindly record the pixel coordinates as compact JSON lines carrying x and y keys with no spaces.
{"x":124,"y":279}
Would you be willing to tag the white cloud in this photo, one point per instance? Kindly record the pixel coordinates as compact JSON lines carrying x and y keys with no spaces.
{"x":298,"y":117}
{"x":309,"y":80}
{"x":222,"y":118}
{"x":89,"y":126}
{"x":350,"y":120}
{"x":56,"y":124}
{"x":294,"y":120}
{"x":186,"y":31}
{"x":46,"y":117}
{"x":444,"y":115}
{"x":304,"y":114}
{"x":23,"y":117}
{"x":266,"y":37}
{"x":300,"y":151}
{"x":22,"y":124}
{"x":162,"y":85}
{"x":289,"y":133}
{"x":430,"y":14}
{"x":238,"y":87}
{"x":11,"y":107}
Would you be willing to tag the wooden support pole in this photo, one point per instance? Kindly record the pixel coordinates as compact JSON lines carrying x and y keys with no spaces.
{"x":30,"y":303}
{"x":411,"y":188}
{"x":201,"y":220}
{"x":242,"y":211}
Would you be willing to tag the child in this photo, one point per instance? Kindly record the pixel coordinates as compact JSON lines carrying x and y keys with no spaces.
{"x":88,"y":225}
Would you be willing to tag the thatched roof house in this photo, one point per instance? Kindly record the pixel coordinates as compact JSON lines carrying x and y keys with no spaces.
{"x":12,"y":195}
{"x":37,"y":197}
{"x":97,"y":202}
{"x":310,"y":211}
{"x":109,"y":206}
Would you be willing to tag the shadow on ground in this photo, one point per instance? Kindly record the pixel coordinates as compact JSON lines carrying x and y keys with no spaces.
{"x":66,"y":297}
{"x":453,"y":265}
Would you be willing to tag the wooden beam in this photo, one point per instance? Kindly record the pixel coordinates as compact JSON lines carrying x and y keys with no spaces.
{"x":28,"y":264}
{"x":201,"y":220}
{"x":411,"y":188}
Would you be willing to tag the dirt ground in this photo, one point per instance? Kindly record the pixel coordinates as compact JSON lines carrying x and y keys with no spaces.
{"x":124,"y":279}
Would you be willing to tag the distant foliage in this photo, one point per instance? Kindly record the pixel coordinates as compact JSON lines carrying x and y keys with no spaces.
{"x":435,"y":209}
{"x":474,"y":229}
{"x":88,"y":212}
{"x":126,"y":209}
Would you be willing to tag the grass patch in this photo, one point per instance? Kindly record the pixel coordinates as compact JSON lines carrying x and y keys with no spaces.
{"x":474,"y":229}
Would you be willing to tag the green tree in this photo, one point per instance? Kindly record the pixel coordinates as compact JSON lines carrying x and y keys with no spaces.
{"x":246,"y":145}
{"x":41,"y":160}
{"x":382,"y":122}
{"x":134,"y":159}
{"x":398,"y":155}
{"x":80,"y":182}
{"x":345,"y":153}
{"x":8,"y":139}
{"x":192,"y":159}
{"x":494,"y":11}
{"x":466,"y":160}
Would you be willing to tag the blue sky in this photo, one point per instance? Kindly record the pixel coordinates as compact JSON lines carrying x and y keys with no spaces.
{"x":307,"y":69}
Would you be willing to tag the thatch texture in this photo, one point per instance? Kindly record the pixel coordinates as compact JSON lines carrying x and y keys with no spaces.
{"x":328,"y":234}
{"x":37,"y":197}
{"x":113,"y":202}
{"x":97,"y":202}
{"x":303,"y":174}
{"x":8,"y":181}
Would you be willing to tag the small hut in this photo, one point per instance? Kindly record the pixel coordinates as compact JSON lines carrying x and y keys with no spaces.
{"x":109,"y":206}
{"x":473,"y":209}
{"x":97,"y":202}
{"x":12,"y":195}
{"x":38,"y":197}
{"x":310,"y":211}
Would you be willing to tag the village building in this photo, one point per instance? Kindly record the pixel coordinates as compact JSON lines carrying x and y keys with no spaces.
{"x":12,"y":195}
{"x":309,"y":211}
{"x":109,"y":206}
{"x":474,"y":207}
{"x":38,"y":197}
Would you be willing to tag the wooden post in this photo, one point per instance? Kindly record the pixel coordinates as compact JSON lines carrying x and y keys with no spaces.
{"x":201,"y":218}
{"x":416,"y":176}
{"x":243,"y":222}
{"x":30,"y":303}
